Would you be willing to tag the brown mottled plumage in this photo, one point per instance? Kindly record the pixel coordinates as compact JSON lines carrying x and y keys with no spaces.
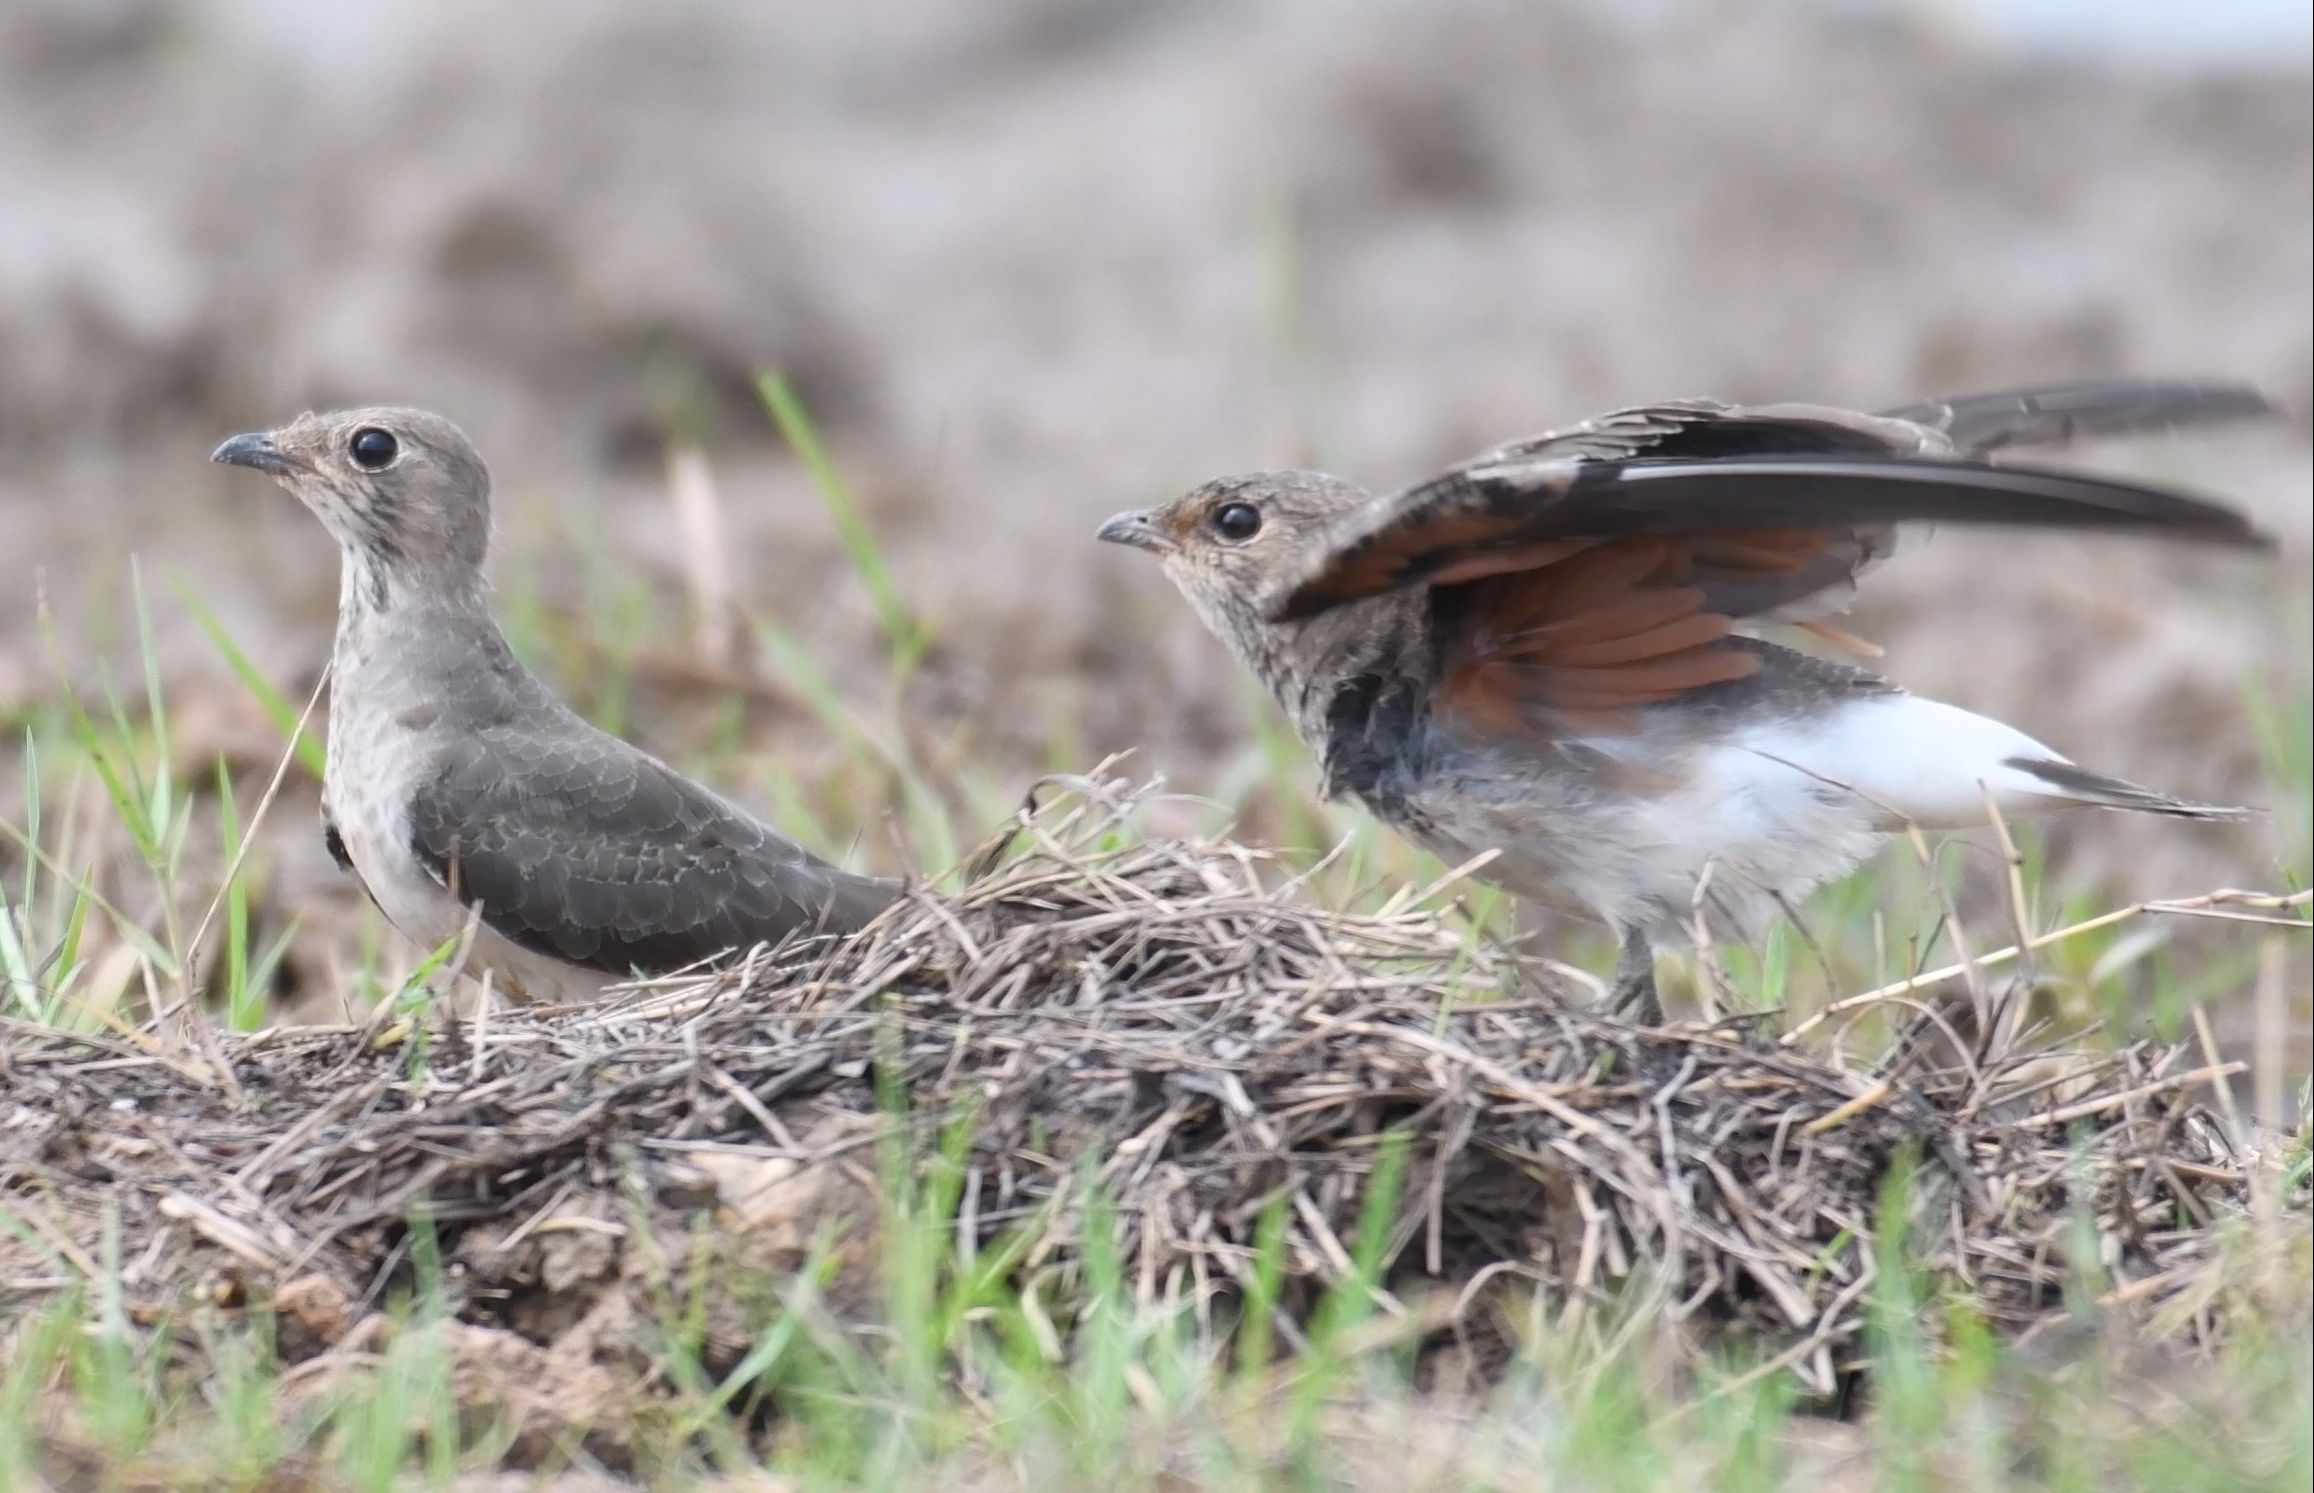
{"x":1538,"y":653}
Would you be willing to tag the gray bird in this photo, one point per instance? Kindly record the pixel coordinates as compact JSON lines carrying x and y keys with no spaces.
{"x":458,"y":781}
{"x":1537,"y":653}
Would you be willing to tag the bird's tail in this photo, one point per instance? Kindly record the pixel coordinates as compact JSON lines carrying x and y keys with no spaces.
{"x":2049,"y":414}
{"x":2080,"y":786}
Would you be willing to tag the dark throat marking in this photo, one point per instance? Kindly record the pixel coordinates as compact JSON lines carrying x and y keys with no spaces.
{"x":1374,"y":726}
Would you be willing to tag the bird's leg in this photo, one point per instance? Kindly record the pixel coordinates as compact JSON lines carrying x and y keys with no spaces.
{"x":1633,"y":996}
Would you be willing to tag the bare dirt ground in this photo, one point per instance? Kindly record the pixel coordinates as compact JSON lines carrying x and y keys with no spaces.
{"x":1035,"y":261}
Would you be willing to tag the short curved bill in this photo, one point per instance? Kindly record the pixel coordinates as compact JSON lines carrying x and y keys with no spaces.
{"x":1138,"y":530}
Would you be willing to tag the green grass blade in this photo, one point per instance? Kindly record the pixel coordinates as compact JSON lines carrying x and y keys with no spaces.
{"x":156,"y":709}
{"x":927,"y":817}
{"x":30,"y":895}
{"x":310,"y":752}
{"x":244,"y":1009}
{"x":150,"y":801}
{"x":262,"y":971}
{"x":127,"y":801}
{"x":1255,"y":1327}
{"x":23,"y":990}
{"x":904,"y":634}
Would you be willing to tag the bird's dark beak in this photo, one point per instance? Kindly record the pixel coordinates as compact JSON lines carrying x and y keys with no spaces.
{"x":256,"y":450}
{"x":1137,"y":530}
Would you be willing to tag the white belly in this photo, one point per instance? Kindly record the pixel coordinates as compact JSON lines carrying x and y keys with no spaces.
{"x":1757,"y":820}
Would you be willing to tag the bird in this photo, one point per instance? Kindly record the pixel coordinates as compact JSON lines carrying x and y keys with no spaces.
{"x":1553,"y":653}
{"x":460,"y":790}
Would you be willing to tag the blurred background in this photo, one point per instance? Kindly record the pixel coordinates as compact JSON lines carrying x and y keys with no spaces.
{"x":1026,"y":263}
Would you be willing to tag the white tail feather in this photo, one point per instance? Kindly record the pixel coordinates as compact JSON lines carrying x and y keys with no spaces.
{"x":1932,"y":764}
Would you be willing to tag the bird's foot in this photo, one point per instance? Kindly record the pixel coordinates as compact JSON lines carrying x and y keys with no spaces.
{"x":1636,"y":1001}
{"x":1632,"y":996}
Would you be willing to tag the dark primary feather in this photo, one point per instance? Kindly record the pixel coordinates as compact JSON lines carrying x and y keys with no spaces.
{"x":2049,"y":414}
{"x":1789,"y":492}
{"x":588,"y":851}
{"x":1700,"y":467}
{"x":1693,"y":428}
{"x":2084,"y":786}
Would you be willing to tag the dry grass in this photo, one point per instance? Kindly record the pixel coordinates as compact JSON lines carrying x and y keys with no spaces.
{"x":1266,"y":1106}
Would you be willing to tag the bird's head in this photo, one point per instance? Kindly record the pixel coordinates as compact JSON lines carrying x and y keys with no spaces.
{"x":1232,"y":543}
{"x":399,"y":489}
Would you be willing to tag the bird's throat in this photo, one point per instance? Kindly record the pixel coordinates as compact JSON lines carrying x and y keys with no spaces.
{"x":1352,"y":681}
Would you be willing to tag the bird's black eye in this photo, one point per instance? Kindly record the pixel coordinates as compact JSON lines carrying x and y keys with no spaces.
{"x":1236,"y":522}
{"x":372,"y":449}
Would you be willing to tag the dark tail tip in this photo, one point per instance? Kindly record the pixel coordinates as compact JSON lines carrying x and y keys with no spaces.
{"x":2079,"y":785}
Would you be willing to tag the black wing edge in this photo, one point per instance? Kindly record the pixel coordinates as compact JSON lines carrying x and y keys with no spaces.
{"x":1677,"y":497}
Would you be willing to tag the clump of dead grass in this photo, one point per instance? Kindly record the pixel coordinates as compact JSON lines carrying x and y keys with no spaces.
{"x":1149,"y":1036}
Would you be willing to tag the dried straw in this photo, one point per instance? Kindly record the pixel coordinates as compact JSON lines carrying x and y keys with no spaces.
{"x":1156,"y":1027}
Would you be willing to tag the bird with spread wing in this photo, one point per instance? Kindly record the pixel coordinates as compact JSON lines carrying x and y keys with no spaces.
{"x":1549,"y":652}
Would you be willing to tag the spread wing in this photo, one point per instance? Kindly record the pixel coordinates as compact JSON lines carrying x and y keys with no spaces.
{"x":2052,"y":414}
{"x":1601,"y":567}
{"x":584,"y":849}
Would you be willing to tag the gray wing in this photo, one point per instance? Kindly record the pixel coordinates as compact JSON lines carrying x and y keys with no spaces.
{"x":584,"y":849}
{"x":1774,"y":509}
{"x":2051,"y":414}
